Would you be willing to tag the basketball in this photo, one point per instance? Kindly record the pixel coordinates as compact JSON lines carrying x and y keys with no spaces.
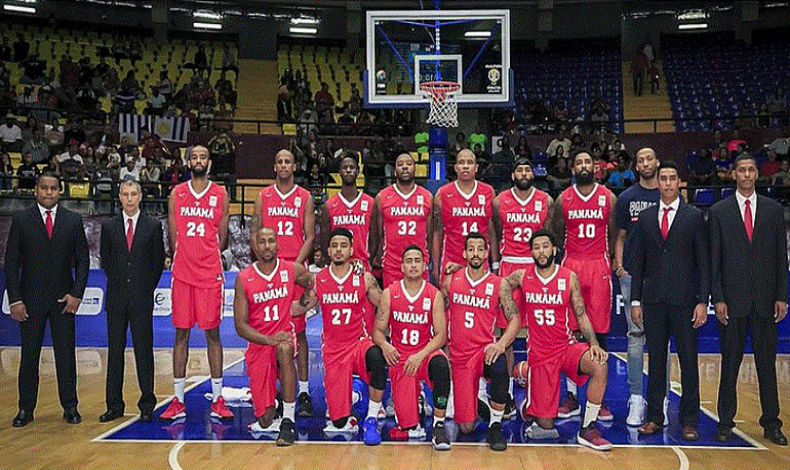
{"x":520,"y":371}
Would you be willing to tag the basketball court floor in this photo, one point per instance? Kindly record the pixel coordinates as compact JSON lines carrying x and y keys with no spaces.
{"x":201,"y":442}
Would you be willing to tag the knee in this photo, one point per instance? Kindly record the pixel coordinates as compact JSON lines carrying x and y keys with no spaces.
{"x":499,"y":367}
{"x":285,"y":353}
{"x":600,"y":370}
{"x":212,"y":336}
{"x":374,"y":358}
{"x":182,"y":335}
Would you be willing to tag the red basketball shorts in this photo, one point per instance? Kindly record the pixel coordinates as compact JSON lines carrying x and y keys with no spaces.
{"x":196,"y":304}
{"x":262,"y":369}
{"x":543,"y":380}
{"x":466,"y":375}
{"x":340,"y":365}
{"x":505,"y":269}
{"x":406,"y":390}
{"x":595,"y":279}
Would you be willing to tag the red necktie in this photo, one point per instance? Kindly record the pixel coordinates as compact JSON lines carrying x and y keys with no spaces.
{"x":747,"y":220}
{"x":49,"y":224}
{"x":129,"y":235}
{"x":665,"y":223}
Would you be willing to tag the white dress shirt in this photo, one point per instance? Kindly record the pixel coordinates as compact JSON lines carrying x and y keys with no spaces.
{"x":742,"y":204}
{"x":44,"y":210}
{"x":671,"y":216}
{"x":133,"y":218}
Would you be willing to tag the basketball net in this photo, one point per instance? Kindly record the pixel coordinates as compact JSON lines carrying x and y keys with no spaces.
{"x":443,"y":107}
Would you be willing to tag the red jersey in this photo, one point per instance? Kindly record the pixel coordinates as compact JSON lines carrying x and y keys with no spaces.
{"x":342,"y":312}
{"x":548,"y":311}
{"x":586,"y":222}
{"x":411,"y":318}
{"x":269,"y":297}
{"x":473,"y":311}
{"x":354,"y":216}
{"x":462,"y":214}
{"x":404,"y":221}
{"x":520,"y":218}
{"x":197,"y":259}
{"x":284,"y":213}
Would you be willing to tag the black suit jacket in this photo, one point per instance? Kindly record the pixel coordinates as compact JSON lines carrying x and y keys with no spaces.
{"x":131,"y":277}
{"x":675,"y":271}
{"x":748,"y":276}
{"x":45,"y":263}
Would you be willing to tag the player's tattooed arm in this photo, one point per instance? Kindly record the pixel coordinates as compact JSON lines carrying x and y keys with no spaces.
{"x":577,"y":302}
{"x":511,"y":313}
{"x":558,"y":224}
{"x":550,"y":207}
{"x":303,"y":277}
{"x":446,"y":291}
{"x":495,"y":233}
{"x":514,"y":279}
{"x":436,"y":237}
{"x":373,"y":290}
{"x":614,"y":230}
{"x":382,"y":328}
{"x":256,"y":215}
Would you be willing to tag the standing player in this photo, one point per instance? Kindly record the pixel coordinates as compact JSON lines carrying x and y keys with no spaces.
{"x":412,"y":312}
{"x":518,"y":213}
{"x":585,"y":217}
{"x":288,"y":210}
{"x":550,"y":292}
{"x":198,"y":231}
{"x":262,"y":315}
{"x":474,"y":296}
{"x":460,"y":208}
{"x":347,"y":348}
{"x":402,"y":217}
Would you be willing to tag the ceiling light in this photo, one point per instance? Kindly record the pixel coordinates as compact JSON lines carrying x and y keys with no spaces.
{"x":477,"y":34}
{"x":305,"y":20}
{"x":19,"y":9}
{"x":693,"y":26}
{"x":199,"y":25}
{"x":209,"y":15}
{"x":302,"y":30}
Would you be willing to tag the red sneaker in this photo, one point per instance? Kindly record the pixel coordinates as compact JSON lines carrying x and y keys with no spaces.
{"x":604,"y":414}
{"x":175,"y":410}
{"x":569,"y":407}
{"x":220,"y":410}
{"x":591,"y":437}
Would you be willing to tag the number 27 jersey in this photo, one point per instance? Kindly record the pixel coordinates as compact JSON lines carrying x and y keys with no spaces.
{"x":197,"y":259}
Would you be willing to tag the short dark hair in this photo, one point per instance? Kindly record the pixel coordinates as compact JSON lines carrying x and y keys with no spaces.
{"x":668,"y":164}
{"x":410,"y":248}
{"x":475,"y":236}
{"x":576,"y":154}
{"x":343,"y":232}
{"x":351,"y":154}
{"x":541,"y":233}
{"x":745,"y":156}
{"x":520,"y":161}
{"x":48,"y":174}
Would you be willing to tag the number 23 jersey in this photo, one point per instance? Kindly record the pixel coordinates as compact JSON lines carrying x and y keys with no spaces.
{"x":197,"y":258}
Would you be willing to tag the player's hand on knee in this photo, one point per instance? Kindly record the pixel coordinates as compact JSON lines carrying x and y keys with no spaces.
{"x":283,"y":337}
{"x":493,"y":351}
{"x":598,"y":354}
{"x":390,"y":354}
{"x":412,"y":364}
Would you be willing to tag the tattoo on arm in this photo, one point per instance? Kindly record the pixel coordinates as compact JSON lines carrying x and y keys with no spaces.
{"x":506,"y":299}
{"x":515,"y":279}
{"x":577,"y":302}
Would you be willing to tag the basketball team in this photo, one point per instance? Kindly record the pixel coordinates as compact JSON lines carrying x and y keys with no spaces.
{"x":494,"y":270}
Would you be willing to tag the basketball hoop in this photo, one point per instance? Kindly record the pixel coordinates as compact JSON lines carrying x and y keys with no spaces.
{"x":443,"y":108}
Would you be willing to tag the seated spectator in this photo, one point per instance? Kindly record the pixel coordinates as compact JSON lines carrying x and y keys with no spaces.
{"x":71,"y":154}
{"x":27,"y":172}
{"x":11,"y":135}
{"x":21,"y":48}
{"x":622,"y":176}
{"x":355,"y":102}
{"x":176,"y":173}
{"x":346,"y":122}
{"x":156,"y":102}
{"x":559,"y":141}
{"x":6,"y":171}
{"x":481,"y":157}
{"x":777,"y":105}
{"x":522,"y":149}
{"x":34,"y":69}
{"x":125,"y":101}
{"x":505,"y":155}
{"x":478,"y":137}
{"x":769,"y":167}
{"x":37,"y":145}
{"x":130,"y":83}
{"x":782,"y":177}
{"x":703,"y":170}
{"x":201,"y":61}
{"x":26,"y":100}
{"x":560,"y":175}
{"x":734,"y":143}
{"x":316,"y":182}
{"x":324,"y":104}
{"x":97,"y":83}
{"x":102,"y":179}
{"x":30,"y":127}
{"x":723,"y":164}
{"x":130,"y":172}
{"x":149,"y":177}
{"x":781,"y":146}
{"x":603,"y":166}
{"x":229,"y":60}
{"x":87,"y":98}
{"x":560,"y":113}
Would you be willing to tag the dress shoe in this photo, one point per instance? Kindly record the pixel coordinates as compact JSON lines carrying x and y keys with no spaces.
{"x":723,"y":435}
{"x":72,"y":416}
{"x":650,"y":428}
{"x":690,"y":433}
{"x":146,"y":416}
{"x":775,"y":435}
{"x":22,"y":418}
{"x":110,"y":415}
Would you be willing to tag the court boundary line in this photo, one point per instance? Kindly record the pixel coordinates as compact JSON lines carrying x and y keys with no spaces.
{"x":684,"y":460}
{"x":172,"y":456}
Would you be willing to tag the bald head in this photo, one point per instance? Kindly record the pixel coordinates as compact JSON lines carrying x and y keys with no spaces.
{"x":465,"y":165}
{"x":284,"y":166}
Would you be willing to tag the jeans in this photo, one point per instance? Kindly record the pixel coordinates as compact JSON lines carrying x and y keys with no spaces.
{"x":636,"y":343}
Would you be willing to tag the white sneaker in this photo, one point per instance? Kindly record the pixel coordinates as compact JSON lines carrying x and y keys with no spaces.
{"x":666,"y":411}
{"x":256,"y":427}
{"x":350,"y":427}
{"x":636,"y":411}
{"x":390,"y":408}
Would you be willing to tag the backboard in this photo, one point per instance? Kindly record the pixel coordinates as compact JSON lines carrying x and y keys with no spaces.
{"x":407,"y":48}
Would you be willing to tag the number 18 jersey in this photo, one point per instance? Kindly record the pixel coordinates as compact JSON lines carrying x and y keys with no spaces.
{"x":411,"y":318}
{"x":197,"y":259}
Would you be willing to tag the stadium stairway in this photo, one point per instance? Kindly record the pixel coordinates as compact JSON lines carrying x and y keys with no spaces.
{"x":647,"y":106}
{"x":257,"y":89}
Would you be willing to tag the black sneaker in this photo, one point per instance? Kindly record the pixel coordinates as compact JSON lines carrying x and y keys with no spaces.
{"x":439,"y":439}
{"x":496,"y":438}
{"x":483,"y":409}
{"x":287,"y":431}
{"x":510,"y":408}
{"x":305,"y":405}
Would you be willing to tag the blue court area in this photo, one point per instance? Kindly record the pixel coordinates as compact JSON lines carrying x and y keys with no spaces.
{"x":199,"y":426}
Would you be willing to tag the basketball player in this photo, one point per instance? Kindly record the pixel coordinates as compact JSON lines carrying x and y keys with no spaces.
{"x":460,"y":208}
{"x":401,"y":217}
{"x":550,"y":292}
{"x":412,"y":312}
{"x":198,"y":231}
{"x":350,"y":209}
{"x":518,"y":213}
{"x":288,"y":210}
{"x":347,"y":348}
{"x":262,"y":315}
{"x":474,"y":296}
{"x":585,"y":216}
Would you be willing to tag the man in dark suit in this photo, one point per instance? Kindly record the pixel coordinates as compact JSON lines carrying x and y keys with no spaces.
{"x":671,"y":283}
{"x":749,"y":291}
{"x":132,"y":256}
{"x":44,"y":243}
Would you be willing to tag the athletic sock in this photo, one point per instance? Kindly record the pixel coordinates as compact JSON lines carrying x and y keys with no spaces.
{"x":373,"y":409}
{"x":289,"y":410}
{"x":178,"y":384}
{"x":571,"y":385}
{"x":216,"y":388}
{"x":590,"y":414}
{"x":438,"y":419}
{"x":496,"y":415}
{"x":304,"y":387}
{"x":482,"y":388}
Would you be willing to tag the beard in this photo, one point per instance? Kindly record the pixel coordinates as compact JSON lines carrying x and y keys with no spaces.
{"x":475,"y":263}
{"x":523,"y":184}
{"x":338,"y":262}
{"x":199,"y":173}
{"x":585,"y":178}
{"x":647,"y":174}
{"x":549,"y":262}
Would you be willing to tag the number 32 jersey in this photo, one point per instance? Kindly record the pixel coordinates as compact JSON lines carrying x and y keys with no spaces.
{"x":405,"y":222}
{"x":284,"y":213}
{"x":197,"y":259}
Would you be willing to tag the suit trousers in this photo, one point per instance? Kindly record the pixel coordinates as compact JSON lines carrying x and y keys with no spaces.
{"x":140,"y":321}
{"x":732,"y":340}
{"x":61,"y":327}
{"x":661,"y":321}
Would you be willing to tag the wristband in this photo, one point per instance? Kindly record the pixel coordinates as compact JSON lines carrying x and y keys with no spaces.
{"x":495,"y":266}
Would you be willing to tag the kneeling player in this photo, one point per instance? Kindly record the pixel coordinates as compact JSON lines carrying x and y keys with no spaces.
{"x":412,"y":311}
{"x":474,"y":296}
{"x":550,"y":291}
{"x":347,"y":348}
{"x":261,"y":311}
